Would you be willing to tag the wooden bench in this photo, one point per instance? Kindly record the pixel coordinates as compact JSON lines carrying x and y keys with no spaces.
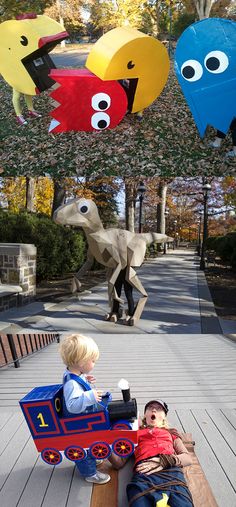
{"x":112,"y":495}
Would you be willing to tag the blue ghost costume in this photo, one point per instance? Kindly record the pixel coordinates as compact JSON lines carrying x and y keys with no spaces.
{"x":205,"y":64}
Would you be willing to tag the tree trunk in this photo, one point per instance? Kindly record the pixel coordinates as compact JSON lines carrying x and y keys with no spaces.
{"x":130,"y":196}
{"x":161,"y":192}
{"x":59,"y":194}
{"x":30,"y":190}
{"x":203,"y":8}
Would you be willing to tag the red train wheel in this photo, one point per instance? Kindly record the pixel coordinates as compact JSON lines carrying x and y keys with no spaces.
{"x":123,"y":447}
{"x":100,"y":450}
{"x":51,"y":456}
{"x":75,"y":453}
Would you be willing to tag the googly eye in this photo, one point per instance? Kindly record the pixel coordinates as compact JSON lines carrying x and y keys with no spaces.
{"x":100,"y":121}
{"x":216,"y":62}
{"x":83,"y":207}
{"x":101,"y":101}
{"x":24,"y":40}
{"x":191,"y":70}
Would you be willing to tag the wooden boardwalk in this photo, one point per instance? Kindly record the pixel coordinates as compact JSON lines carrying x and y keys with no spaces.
{"x":194,"y":374}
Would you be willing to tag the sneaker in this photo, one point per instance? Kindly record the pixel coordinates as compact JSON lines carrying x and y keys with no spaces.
{"x":231,"y":153}
{"x":21,"y":120}
{"x":98,"y":478}
{"x":215,"y":144}
{"x":34,"y":114}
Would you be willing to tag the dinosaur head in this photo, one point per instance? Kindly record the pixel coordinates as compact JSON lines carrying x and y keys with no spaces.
{"x":80,"y":213}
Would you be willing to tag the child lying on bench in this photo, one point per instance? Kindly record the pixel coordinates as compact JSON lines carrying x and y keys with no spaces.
{"x":159,"y":456}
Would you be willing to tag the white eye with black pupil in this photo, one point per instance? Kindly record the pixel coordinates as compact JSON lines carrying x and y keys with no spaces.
{"x":191,"y":70}
{"x":100,"y":121}
{"x":216,"y":62}
{"x":101,"y":101}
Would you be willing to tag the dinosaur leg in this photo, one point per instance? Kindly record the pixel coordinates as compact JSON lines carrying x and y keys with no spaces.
{"x":114,"y":292}
{"x":131,"y":278}
{"x":16,"y":96}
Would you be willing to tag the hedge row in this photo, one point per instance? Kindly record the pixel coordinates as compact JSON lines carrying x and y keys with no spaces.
{"x":225,"y":247}
{"x":59,"y":249}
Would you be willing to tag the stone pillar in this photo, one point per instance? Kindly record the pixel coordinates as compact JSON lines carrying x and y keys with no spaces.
{"x":18,"y":267}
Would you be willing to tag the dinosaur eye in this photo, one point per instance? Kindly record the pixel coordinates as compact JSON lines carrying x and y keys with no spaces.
{"x":83,"y":207}
{"x":100,"y":121}
{"x":191,"y":70}
{"x":216,"y":62}
{"x":130,"y":65}
{"x":24,"y":40}
{"x":101,"y":101}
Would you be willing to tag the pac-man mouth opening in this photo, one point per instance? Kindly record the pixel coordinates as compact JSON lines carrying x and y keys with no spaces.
{"x":39,"y":64}
{"x":130,"y":86}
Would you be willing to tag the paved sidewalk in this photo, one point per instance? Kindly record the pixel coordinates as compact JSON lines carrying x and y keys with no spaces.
{"x":178,"y":302}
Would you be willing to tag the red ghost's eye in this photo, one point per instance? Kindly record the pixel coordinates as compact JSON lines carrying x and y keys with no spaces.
{"x":101,"y":101}
{"x":100,"y":121}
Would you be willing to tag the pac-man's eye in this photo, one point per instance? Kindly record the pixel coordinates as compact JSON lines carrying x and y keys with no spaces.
{"x":216,"y":62}
{"x":24,"y":40}
{"x":100,"y":121}
{"x":191,"y":70}
{"x":83,"y":207}
{"x":130,"y":65}
{"x":101,"y":101}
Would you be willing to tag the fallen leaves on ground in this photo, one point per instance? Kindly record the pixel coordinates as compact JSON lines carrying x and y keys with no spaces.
{"x":165,"y":142}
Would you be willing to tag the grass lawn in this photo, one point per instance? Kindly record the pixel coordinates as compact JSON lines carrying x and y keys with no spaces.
{"x":165,"y":142}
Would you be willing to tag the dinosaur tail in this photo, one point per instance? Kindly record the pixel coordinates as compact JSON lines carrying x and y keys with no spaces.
{"x":155,"y":237}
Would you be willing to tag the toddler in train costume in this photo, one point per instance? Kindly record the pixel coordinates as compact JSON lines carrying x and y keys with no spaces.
{"x":80,"y":353}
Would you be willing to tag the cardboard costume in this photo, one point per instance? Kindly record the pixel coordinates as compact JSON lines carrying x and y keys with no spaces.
{"x":205,"y":62}
{"x":24,"y":60}
{"x":117,"y":249}
{"x":129,"y":55}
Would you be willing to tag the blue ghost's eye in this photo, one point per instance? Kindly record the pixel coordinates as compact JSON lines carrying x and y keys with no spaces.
{"x":100,"y":121}
{"x":216,"y":62}
{"x":191,"y":70}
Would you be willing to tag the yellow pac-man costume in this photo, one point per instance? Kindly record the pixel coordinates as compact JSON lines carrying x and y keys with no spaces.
{"x":24,"y":60}
{"x":140,"y":61}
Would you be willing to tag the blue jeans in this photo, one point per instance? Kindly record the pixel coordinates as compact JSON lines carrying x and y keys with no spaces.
{"x":87,"y":466}
{"x":178,"y":495}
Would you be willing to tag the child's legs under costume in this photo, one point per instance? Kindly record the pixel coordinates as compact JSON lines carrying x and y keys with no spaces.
{"x":87,"y":466}
{"x":16,"y":96}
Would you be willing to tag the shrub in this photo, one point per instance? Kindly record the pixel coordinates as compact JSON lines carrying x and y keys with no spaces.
{"x":59,"y":249}
{"x":225,"y":247}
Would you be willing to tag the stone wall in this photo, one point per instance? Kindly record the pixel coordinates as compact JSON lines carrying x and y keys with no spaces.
{"x":18,"y":267}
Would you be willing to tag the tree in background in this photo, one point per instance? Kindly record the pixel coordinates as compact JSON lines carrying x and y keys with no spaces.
{"x":9,"y":9}
{"x":68,"y":14}
{"x":32,"y":194}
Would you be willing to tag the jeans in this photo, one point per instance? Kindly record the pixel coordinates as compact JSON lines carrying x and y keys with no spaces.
{"x":87,"y":466}
{"x":178,"y":496}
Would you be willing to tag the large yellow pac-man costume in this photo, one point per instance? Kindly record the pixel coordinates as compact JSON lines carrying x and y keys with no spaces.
{"x":127,"y":54}
{"x":24,"y":60}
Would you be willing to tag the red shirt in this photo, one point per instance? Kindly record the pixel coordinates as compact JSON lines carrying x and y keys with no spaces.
{"x":153,"y":441}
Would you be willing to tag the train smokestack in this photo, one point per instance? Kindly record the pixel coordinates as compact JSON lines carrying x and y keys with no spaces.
{"x":124,"y":386}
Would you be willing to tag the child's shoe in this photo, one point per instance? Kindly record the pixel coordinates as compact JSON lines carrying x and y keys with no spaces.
{"x":21,"y":120}
{"x":216,"y":143}
{"x":231,"y":153}
{"x":98,"y":478}
{"x":34,"y":114}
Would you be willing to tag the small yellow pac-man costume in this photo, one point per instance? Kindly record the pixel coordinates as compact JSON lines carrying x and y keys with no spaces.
{"x":163,"y":502}
{"x":24,"y":48}
{"x":140,"y":61}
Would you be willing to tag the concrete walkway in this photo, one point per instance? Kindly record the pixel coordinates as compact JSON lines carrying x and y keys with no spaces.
{"x":178,"y":302}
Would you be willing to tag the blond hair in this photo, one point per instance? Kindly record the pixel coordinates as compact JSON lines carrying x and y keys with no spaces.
{"x":163,"y":424}
{"x":77,"y":348}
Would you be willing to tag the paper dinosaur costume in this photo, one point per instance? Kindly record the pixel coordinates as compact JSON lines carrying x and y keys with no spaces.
{"x":24,"y":60}
{"x":117,"y":249}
